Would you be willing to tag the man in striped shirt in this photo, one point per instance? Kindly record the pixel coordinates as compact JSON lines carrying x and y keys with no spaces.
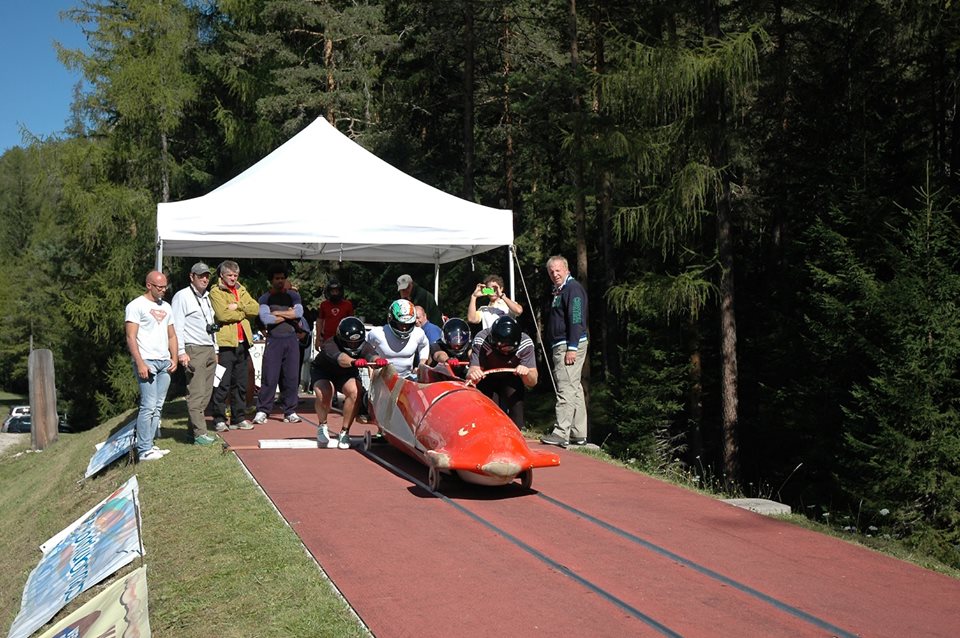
{"x":504,"y":345}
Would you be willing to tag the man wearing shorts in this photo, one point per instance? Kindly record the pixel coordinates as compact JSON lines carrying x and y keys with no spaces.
{"x":336,"y":369}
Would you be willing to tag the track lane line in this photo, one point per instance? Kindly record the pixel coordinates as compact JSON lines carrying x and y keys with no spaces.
{"x":706,"y":571}
{"x":633,"y":611}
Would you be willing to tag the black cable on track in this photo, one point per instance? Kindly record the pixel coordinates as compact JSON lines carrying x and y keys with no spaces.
{"x":566,"y":571}
{"x":706,"y":571}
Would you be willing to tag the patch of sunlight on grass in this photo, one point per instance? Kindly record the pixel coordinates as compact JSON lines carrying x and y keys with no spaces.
{"x":220,"y":561}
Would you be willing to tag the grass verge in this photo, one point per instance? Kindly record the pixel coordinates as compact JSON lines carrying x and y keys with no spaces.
{"x":220,"y":561}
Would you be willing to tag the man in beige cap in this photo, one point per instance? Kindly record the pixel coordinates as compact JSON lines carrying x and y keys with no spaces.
{"x":419,"y":296}
{"x":193,"y":321}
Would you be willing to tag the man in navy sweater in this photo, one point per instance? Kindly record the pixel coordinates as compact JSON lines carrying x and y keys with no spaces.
{"x":566,"y":332}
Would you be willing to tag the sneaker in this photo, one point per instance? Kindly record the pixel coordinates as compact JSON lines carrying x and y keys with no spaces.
{"x":553,"y":439}
{"x":343,"y":440}
{"x":363,"y":418}
{"x":204,"y":439}
{"x":156,"y":448}
{"x":151,"y":455}
{"x":293,"y":417}
{"x":576,"y":441}
{"x":323,"y":435}
{"x":243,"y":425}
{"x":233,"y":426}
{"x":260,"y":417}
{"x":221,"y":426}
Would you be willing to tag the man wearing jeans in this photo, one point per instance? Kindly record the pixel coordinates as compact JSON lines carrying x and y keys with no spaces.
{"x":152,"y":343}
{"x":566,"y":333}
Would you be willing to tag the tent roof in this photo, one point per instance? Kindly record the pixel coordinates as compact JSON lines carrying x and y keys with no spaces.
{"x":322,"y":196}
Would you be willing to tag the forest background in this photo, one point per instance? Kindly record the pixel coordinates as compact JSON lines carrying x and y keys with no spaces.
{"x":760,"y":196}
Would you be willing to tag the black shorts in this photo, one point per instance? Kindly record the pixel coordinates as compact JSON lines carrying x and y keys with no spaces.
{"x":338,"y":377}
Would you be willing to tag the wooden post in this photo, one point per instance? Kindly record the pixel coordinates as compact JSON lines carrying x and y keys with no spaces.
{"x":43,"y":399}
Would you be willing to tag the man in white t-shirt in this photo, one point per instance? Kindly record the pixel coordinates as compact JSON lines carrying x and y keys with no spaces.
{"x":498,"y":304}
{"x":152,"y":342}
{"x":400,"y":341}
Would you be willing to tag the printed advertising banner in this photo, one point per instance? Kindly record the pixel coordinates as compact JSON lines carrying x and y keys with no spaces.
{"x":119,"y":443}
{"x":100,"y":543}
{"x":119,"y":611}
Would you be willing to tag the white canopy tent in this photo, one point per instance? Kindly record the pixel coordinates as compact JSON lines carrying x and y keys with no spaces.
{"x":322,"y":196}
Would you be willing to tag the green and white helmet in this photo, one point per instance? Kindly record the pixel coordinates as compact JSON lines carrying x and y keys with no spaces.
{"x":402,"y":317}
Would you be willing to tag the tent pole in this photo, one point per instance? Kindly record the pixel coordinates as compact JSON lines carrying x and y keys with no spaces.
{"x":159,"y":265}
{"x":436,"y":281}
{"x":513,"y":293}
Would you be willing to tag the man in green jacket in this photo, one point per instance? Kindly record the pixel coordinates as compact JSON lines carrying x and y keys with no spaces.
{"x":233,"y":308}
{"x":419,"y":296}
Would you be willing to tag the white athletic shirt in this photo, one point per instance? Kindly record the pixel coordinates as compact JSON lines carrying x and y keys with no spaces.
{"x":492,"y":312}
{"x":399,"y":353}
{"x":153,"y":319}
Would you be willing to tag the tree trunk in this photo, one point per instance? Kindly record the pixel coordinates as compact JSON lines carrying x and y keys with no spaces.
{"x":164,"y":168}
{"x":579,"y":212}
{"x":609,"y":352}
{"x":468,"y":100}
{"x":719,"y":157}
{"x":507,"y":113}
{"x":331,"y":82}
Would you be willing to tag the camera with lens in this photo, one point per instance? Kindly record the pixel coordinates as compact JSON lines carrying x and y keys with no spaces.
{"x":213,"y":328}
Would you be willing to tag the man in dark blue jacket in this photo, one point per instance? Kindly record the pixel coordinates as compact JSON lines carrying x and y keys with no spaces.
{"x":566,"y":333}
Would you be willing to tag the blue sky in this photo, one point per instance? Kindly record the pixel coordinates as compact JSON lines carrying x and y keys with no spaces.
{"x":37,"y":88}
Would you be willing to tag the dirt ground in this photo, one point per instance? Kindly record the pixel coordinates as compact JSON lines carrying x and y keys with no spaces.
{"x":9,"y":440}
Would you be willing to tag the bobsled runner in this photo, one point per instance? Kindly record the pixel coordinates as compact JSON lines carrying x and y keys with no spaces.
{"x":451,"y":427}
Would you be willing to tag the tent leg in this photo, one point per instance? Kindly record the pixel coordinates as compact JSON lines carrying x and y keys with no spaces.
{"x":513,"y":292}
{"x":436,"y":281}
{"x":159,"y":264}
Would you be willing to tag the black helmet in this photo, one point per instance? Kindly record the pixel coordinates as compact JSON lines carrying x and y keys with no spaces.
{"x":351,"y":335}
{"x":505,"y":335}
{"x":332,"y":284}
{"x":456,"y":337}
{"x":402,"y":318}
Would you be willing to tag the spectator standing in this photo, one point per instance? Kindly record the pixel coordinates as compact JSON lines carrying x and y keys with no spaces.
{"x":419,"y":296}
{"x":504,"y":345}
{"x":430,"y":329}
{"x":498,"y":304}
{"x":233,"y":308}
{"x":152,"y":343}
{"x":196,"y":330}
{"x":399,"y":341}
{"x":335,"y":369}
{"x":333,"y":309}
{"x":566,"y":334}
{"x":280,"y":312}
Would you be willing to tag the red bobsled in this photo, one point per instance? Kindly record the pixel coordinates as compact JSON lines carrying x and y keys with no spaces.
{"x":450,"y":426}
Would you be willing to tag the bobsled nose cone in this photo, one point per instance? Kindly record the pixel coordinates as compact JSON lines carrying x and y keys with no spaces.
{"x":502,"y":467}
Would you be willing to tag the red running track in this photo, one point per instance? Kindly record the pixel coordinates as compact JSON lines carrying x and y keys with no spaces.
{"x":593,"y":550}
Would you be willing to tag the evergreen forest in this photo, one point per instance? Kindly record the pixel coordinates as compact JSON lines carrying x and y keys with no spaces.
{"x":759,"y":195}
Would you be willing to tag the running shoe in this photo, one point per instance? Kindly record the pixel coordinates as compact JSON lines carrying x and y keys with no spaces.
{"x":293,"y":417}
{"x":260,"y":417}
{"x":343,"y":441}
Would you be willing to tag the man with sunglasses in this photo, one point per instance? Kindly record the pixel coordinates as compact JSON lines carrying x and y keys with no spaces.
{"x":196,"y":330}
{"x":152,"y":343}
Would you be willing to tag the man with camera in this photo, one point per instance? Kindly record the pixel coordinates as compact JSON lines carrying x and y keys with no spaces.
{"x":196,"y":330}
{"x":498,"y":304}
